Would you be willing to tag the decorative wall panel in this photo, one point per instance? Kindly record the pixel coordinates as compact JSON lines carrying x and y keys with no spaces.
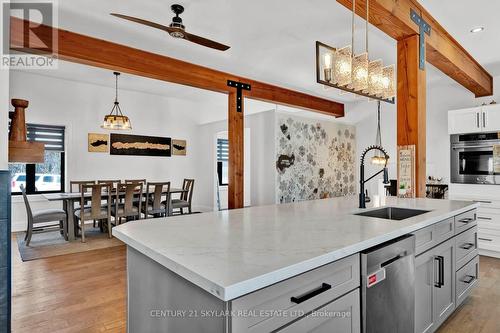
{"x":314,"y":160}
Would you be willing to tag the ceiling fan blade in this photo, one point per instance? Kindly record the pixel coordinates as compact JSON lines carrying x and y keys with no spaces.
{"x":141,"y":21}
{"x":205,"y":42}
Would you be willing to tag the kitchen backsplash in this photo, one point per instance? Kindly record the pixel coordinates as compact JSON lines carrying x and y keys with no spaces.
{"x":314,"y":160}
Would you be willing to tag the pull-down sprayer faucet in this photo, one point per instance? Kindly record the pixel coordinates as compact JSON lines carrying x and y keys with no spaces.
{"x":362,"y":181}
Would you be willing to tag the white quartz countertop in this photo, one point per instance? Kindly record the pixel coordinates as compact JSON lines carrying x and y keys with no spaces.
{"x":232,"y":253}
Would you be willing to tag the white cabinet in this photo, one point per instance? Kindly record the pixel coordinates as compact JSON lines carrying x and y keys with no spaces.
{"x":464,"y":121}
{"x":490,"y":118}
{"x":479,"y":119}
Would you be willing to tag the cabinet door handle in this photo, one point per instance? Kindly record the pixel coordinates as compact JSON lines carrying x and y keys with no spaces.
{"x":486,"y":239}
{"x":477,"y":120}
{"x":324,"y":287}
{"x":440,"y":260}
{"x":467,"y":246}
{"x":468,"y":279}
{"x":484,"y":119}
{"x":484,"y":218}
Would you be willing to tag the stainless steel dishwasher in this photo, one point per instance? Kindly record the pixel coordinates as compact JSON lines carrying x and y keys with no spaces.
{"x":388,"y":287}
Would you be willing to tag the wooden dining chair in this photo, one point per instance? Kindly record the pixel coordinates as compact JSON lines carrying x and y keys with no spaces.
{"x":114,"y":183}
{"x":186,"y":198}
{"x":130,"y":181}
{"x":42,"y":218}
{"x":100,"y":207}
{"x":75,"y":186}
{"x":156,"y":200}
{"x":125,"y":208}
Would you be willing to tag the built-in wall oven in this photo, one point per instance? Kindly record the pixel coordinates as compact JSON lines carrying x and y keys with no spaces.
{"x":475,"y":158}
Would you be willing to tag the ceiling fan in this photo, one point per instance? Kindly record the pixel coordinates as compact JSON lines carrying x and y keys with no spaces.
{"x":176,"y":29}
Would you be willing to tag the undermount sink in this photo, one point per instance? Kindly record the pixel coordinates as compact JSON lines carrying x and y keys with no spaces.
{"x":393,"y":213}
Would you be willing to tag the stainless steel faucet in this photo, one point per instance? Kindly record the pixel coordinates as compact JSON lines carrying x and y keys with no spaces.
{"x":362,"y":181}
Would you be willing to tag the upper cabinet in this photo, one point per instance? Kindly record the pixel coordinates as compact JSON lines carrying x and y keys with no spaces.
{"x":479,"y":119}
{"x":491,"y":118}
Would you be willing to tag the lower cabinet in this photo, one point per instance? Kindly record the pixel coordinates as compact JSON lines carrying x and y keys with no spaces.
{"x":444,"y":277}
{"x":339,"y":316}
{"x":434,"y":286}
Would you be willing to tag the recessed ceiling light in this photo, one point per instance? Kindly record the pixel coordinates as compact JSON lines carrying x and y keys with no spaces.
{"x":476,"y":30}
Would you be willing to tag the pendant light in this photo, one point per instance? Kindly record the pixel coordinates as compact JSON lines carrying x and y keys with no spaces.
{"x":360,"y":62}
{"x":378,"y":158}
{"x":115,"y":120}
{"x":354,"y":73}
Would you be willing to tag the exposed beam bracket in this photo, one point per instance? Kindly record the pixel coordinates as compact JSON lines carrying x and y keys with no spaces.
{"x":240,"y":86}
{"x":424,"y":28}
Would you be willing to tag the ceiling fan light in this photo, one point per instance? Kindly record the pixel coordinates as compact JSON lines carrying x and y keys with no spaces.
{"x":360,"y":72}
{"x":343,"y":66}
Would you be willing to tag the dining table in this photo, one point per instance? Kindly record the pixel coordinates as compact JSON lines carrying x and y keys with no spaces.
{"x":70,"y":198}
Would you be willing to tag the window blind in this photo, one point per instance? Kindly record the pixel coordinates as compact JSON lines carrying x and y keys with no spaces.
{"x":222,"y":150}
{"x":51,"y":136}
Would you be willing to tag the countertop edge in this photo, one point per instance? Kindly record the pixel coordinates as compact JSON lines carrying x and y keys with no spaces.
{"x":242,"y":288}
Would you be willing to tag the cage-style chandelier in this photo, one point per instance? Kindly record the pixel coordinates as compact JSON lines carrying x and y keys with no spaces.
{"x":115,"y":120}
{"x":350,"y":72}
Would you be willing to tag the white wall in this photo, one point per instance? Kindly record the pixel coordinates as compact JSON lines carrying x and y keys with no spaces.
{"x":366,"y":131}
{"x":259,"y":167}
{"x":80,"y":107}
{"x":442,"y":95}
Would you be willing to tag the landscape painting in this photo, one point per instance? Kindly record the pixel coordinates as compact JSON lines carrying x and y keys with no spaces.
{"x":98,"y":143}
{"x":179,"y":147}
{"x":139,"y":145}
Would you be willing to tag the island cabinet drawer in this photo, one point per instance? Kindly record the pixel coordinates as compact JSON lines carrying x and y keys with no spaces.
{"x":433,"y":235}
{"x":465,"y":221}
{"x":466,"y":244}
{"x":340,"y":316}
{"x":278,"y":305}
{"x":466,"y":279}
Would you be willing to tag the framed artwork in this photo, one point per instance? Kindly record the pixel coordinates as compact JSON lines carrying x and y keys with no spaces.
{"x":179,"y":147}
{"x":406,"y":171}
{"x":140,"y":145}
{"x":98,"y":143}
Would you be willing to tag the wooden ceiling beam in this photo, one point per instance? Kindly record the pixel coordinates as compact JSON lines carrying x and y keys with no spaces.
{"x":442,"y":50}
{"x":104,"y":54}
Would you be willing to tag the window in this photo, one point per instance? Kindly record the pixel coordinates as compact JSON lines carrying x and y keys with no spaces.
{"x":44,"y":177}
{"x":222,"y":161}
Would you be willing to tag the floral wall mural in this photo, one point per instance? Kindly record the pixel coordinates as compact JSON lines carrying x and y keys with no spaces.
{"x":314,"y":160}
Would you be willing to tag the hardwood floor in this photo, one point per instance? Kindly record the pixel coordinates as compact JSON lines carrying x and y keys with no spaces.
{"x":82,"y":292}
{"x":86,"y":292}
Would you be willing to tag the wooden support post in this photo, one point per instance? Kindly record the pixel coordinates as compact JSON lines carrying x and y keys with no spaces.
{"x":411,"y":106}
{"x":236,"y":156}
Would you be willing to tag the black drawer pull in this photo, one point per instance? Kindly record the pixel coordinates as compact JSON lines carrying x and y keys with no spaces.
{"x":466,"y":220}
{"x":484,"y":218}
{"x":324,"y":287}
{"x":482,"y":201}
{"x":468,"y":279}
{"x":467,"y":246}
{"x":440,"y":260}
{"x":486,"y":239}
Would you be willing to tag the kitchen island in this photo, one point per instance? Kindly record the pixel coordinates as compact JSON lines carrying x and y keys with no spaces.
{"x":227,"y":271}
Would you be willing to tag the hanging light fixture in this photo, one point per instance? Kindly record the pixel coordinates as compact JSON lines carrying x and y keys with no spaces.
{"x":378,"y":158}
{"x":355,"y":73}
{"x":115,"y":120}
